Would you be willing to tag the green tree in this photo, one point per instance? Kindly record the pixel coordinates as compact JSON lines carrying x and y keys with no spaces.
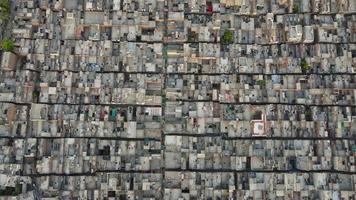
{"x":304,"y":65}
{"x":7,"y":44}
{"x":4,"y":9}
{"x":295,"y":8}
{"x":261,"y":82}
{"x":5,"y":4}
{"x":11,"y":191}
{"x":227,"y":37}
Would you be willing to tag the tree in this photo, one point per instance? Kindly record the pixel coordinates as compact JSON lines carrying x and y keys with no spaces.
{"x":304,"y":65}
{"x":4,"y":9}
{"x":261,"y":82}
{"x":257,"y":115}
{"x":7,"y":44}
{"x":35,"y":93}
{"x":227,"y":37}
{"x":4,"y":4}
{"x":11,"y":191}
{"x":295,"y":8}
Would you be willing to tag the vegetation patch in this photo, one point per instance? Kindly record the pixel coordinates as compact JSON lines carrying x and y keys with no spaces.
{"x":295,"y":8}
{"x":11,"y":191}
{"x":304,"y":65}
{"x":4,"y":9}
{"x":7,"y":44}
{"x":261,"y":82}
{"x":227,"y":37}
